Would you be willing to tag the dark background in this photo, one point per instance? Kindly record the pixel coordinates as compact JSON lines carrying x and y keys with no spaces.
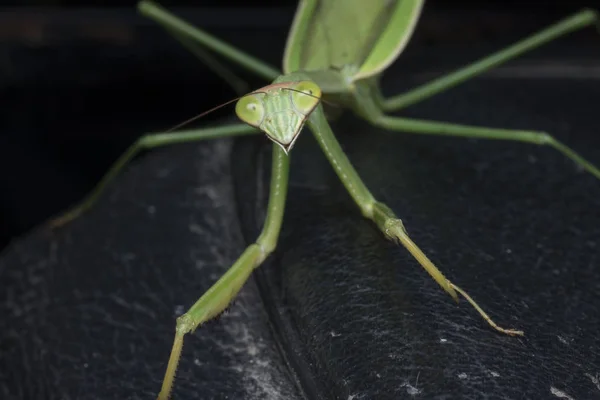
{"x":80,"y":84}
{"x":75,"y":74}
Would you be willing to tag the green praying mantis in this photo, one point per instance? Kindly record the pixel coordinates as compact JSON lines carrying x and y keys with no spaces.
{"x":336,"y":52}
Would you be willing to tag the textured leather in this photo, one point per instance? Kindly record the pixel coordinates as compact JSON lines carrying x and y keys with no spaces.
{"x":337,"y":312}
{"x":516,"y":225}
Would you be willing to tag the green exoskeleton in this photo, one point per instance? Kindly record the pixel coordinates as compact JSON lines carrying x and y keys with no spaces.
{"x":336,"y":51}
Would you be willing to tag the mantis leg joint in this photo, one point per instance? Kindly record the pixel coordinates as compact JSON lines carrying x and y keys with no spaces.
{"x":542,"y":138}
{"x":185,"y":324}
{"x":392,"y":226}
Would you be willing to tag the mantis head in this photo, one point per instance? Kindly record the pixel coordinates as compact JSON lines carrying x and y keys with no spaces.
{"x":280,"y":110}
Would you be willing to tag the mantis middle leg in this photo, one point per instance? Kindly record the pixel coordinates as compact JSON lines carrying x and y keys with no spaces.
{"x":145,"y":142}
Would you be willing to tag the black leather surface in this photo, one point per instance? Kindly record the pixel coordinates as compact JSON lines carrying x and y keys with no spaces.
{"x":88,"y":311}
{"x":515,"y":225}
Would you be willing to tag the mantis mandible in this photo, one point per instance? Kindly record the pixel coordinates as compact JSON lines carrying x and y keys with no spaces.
{"x":336,"y":51}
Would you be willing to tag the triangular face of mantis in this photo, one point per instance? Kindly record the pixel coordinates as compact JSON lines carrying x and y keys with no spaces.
{"x":280,"y":110}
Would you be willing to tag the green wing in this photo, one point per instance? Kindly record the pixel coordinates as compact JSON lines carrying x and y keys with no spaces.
{"x":366,"y":35}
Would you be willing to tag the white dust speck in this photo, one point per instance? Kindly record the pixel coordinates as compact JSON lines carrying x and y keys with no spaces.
{"x":595,"y":380}
{"x":179,"y":309}
{"x":197,"y":362}
{"x":412,"y":390}
{"x":564,"y":340}
{"x":333,"y":334}
{"x":560,"y":394}
{"x":442,"y":340}
{"x":252,"y":349}
{"x":197,"y":229}
{"x":462,"y":375}
{"x":494,"y":374}
{"x":209,"y":192}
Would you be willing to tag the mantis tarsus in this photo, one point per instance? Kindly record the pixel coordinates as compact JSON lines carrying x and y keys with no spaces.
{"x":335,"y":51}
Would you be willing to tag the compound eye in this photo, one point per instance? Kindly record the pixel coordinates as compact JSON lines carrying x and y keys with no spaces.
{"x":250,"y":109}
{"x":306,"y":95}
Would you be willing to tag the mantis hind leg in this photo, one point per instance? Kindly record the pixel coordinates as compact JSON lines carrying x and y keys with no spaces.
{"x":143,"y":143}
{"x":580,"y":20}
{"x":217,"y":298}
{"x":446,"y":129}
